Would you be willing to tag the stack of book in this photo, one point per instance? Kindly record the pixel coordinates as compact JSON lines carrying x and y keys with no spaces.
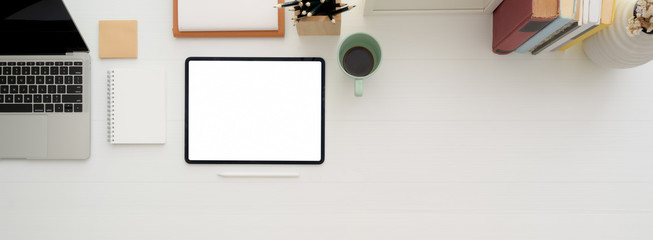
{"x":537,"y":26}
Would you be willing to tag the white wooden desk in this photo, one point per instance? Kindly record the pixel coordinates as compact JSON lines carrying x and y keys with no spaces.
{"x":450,"y":141}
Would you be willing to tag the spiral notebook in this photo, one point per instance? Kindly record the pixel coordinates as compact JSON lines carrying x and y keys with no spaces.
{"x":136,"y":106}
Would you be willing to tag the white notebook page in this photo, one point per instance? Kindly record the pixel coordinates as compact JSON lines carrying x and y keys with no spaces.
{"x":223,"y":15}
{"x":138,"y":108}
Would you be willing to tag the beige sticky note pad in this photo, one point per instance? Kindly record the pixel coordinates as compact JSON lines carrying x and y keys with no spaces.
{"x":118,"y":39}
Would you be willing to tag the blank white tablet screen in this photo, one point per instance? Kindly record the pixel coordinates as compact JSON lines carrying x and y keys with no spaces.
{"x":254,"y":110}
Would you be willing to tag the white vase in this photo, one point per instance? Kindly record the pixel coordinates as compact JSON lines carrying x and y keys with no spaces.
{"x":612,"y":47}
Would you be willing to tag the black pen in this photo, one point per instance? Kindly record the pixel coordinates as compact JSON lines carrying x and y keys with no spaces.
{"x":286,"y":4}
{"x":315,"y":8}
{"x":308,"y":4}
{"x":295,"y":8}
{"x":333,"y":5}
{"x":331,"y":18}
{"x":300,"y":18}
{"x":344,"y":9}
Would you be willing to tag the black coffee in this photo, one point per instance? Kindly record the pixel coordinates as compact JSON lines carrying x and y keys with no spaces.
{"x":358,"y":61}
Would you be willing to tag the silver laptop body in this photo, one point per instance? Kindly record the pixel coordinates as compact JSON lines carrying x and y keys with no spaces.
{"x":45,"y":83}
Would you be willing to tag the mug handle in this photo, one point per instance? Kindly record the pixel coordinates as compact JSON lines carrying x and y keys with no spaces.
{"x":358,"y":91}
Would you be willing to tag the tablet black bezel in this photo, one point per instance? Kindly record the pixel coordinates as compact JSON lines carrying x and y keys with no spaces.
{"x":186,"y":128}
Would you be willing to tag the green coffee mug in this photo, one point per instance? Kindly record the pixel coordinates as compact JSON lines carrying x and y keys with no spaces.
{"x":359,"y":56}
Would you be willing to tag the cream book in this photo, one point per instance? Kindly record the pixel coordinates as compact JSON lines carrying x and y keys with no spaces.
{"x":136,"y":106}
{"x":607,"y":16}
{"x":590,"y":18}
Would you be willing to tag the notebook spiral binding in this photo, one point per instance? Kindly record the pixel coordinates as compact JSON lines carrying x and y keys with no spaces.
{"x":110,"y":106}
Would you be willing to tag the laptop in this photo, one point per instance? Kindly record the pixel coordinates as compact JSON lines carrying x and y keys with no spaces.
{"x":44,"y":83}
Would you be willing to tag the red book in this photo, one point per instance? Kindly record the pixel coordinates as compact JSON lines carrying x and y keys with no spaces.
{"x":515,"y":21}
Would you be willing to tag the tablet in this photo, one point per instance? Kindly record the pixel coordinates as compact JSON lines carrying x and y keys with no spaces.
{"x":254,"y":110}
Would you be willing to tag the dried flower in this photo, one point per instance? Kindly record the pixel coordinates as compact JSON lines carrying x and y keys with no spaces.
{"x":642,"y":19}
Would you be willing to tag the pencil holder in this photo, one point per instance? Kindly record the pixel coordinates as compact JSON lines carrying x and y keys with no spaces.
{"x":318,"y":25}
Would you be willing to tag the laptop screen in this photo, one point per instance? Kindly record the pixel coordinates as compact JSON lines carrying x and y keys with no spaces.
{"x":31,"y":27}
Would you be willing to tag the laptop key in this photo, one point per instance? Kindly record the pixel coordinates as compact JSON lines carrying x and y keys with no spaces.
{"x":6,"y":70}
{"x":61,"y":88}
{"x":11,"y":63}
{"x":13,"y":88}
{"x":47,"y":98}
{"x":20,"y":80}
{"x":77,"y":107}
{"x":56,"y":98}
{"x":75,"y":71}
{"x":30,"y":79}
{"x":40,"y":79}
{"x":15,"y":70}
{"x":68,"y":108}
{"x":3,"y":80}
{"x":11,"y":79}
{"x":38,"y":99}
{"x":22,"y":88}
{"x":49,"y":80}
{"x":49,"y":108}
{"x":54,"y":70}
{"x":71,"y":98}
{"x":26,"y":70}
{"x":36,"y":70}
{"x":58,"y":63}
{"x":18,"y":98}
{"x":32,"y":88}
{"x":52,"y":88}
{"x":2,"y":98}
{"x":63,"y":70}
{"x":74,"y":88}
{"x":68,"y":63}
{"x":27,"y":98}
{"x":45,"y":70}
{"x":4,"y":89}
{"x":39,"y":108}
{"x":58,"y":107}
{"x":68,"y":80}
{"x":58,"y":80}
{"x":77,"y":80}
{"x":42,"y":88}
{"x":15,"y":107}
{"x":9,"y":98}
{"x":77,"y":63}
{"x":31,"y":63}
{"x":20,"y":63}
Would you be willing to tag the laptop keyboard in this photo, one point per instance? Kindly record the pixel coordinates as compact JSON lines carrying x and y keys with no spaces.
{"x":41,"y":86}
